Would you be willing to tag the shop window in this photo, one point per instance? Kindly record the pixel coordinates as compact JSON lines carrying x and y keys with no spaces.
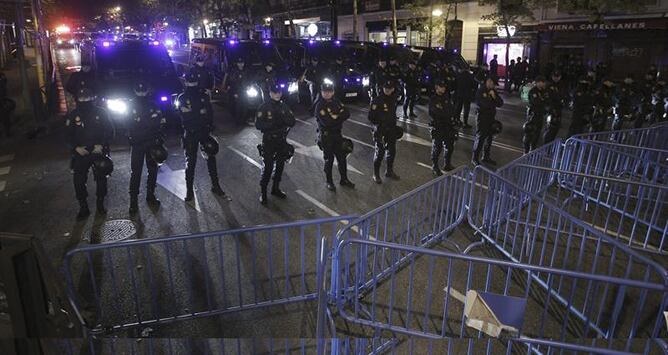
{"x":490,"y":49}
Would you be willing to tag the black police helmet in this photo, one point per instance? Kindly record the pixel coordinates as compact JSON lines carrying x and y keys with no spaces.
{"x":158,"y":153}
{"x":141,"y":89}
{"x":209,"y":147}
{"x":103,"y":165}
{"x":275,"y":88}
{"x":497,"y":127}
{"x":191,"y":79}
{"x":327,"y":87}
{"x":389,"y":84}
{"x":240,"y":60}
{"x":441,"y":83}
{"x":85,"y":95}
{"x":347,"y":146}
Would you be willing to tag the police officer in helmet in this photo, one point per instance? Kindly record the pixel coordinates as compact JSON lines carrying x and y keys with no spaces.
{"x":330,"y":115}
{"x":411,"y":88}
{"x":203,"y":74}
{"x":583,"y":107}
{"x":443,"y":123}
{"x":488,"y":100}
{"x":89,"y":132}
{"x":539,"y":102}
{"x":144,"y":133}
{"x":383,"y":116}
{"x":84,"y":78}
{"x":234,"y":83}
{"x":274,"y":119}
{"x":604,"y":102}
{"x":628,"y":100}
{"x":197,"y":122}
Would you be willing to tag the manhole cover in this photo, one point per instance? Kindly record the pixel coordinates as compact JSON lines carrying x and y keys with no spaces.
{"x":117,"y":229}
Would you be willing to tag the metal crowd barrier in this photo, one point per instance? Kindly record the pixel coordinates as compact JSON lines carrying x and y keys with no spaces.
{"x":579,"y":284}
{"x":648,"y":137}
{"x":145,"y":283}
{"x":421,"y":217}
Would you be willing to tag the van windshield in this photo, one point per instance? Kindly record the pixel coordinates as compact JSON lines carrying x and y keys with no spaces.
{"x":119,"y":62}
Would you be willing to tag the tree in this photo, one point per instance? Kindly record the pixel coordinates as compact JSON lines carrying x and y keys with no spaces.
{"x":597,"y":9}
{"x":423,"y":17}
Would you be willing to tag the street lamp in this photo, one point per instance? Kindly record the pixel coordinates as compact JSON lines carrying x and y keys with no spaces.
{"x":437,"y":13}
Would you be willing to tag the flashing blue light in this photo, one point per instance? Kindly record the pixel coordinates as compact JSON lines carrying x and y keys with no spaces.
{"x":105,"y":44}
{"x":346,"y":80}
{"x":310,"y":41}
{"x":384,"y":44}
{"x":454,"y":50}
{"x":358,"y":80}
{"x":337,"y":42}
{"x":155,"y":43}
{"x":164,"y":98}
{"x":282,"y":86}
{"x":265,"y":41}
{"x":426,"y":77}
{"x":232,"y":42}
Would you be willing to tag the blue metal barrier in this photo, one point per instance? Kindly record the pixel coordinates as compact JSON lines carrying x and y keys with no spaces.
{"x":421,"y":217}
{"x":145,"y":283}
{"x":648,"y":137}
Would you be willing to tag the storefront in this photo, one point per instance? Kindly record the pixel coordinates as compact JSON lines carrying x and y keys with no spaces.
{"x":494,"y":40}
{"x":629,"y":46}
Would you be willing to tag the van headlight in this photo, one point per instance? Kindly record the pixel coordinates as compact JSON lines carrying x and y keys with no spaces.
{"x":365,"y":81}
{"x":293,"y":87}
{"x":328,"y":81}
{"x":117,"y":106}
{"x":251,"y":92}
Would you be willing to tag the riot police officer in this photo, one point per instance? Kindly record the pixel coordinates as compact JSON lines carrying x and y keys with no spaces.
{"x":313,"y":74}
{"x":379,"y":77}
{"x":203,"y":74}
{"x":89,"y":132}
{"x":646,"y":89}
{"x":627,"y":103}
{"x":411,"y":89}
{"x":337,"y":71}
{"x":659,"y":94}
{"x":83,"y":78}
{"x":394,"y":74}
{"x":604,"y":102}
{"x":234,"y":83}
{"x":539,"y":101}
{"x":443,"y":131}
{"x":274,"y":118}
{"x":383,"y":115}
{"x":330,"y":115}
{"x":558,"y":95}
{"x":197,"y":122}
{"x":144,"y":133}
{"x":583,"y":107}
{"x":465,"y":89}
{"x":488,"y":100}
{"x":266,"y":78}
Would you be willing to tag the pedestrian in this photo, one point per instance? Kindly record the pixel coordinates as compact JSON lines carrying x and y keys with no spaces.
{"x":628,"y":99}
{"x":539,"y":101}
{"x":583,"y":107}
{"x":89,"y":132}
{"x":383,"y":116}
{"x":465,"y":89}
{"x":197,"y":121}
{"x":509,"y":76}
{"x":411,"y":79}
{"x":274,"y":119}
{"x":559,"y":97}
{"x":494,"y":69}
{"x":488,"y":100}
{"x":443,"y":128}
{"x":330,"y":114}
{"x":145,"y":133}
{"x":604,"y":102}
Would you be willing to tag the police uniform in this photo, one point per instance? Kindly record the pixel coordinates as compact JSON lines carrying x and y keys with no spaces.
{"x":539,"y":101}
{"x":266,"y":79}
{"x":383,"y":115}
{"x":487,"y":105}
{"x":274,"y":118}
{"x":204,"y":77}
{"x":314,"y":75}
{"x":79,"y":80}
{"x":646,"y":89}
{"x":88,"y":126}
{"x":627,"y":104}
{"x":465,"y":89}
{"x":583,"y":107}
{"x":558,"y":93}
{"x":412,"y":90}
{"x":394,"y":74}
{"x":338,"y":72}
{"x":659,"y":94}
{"x":197,"y":122}
{"x":604,"y":102}
{"x":330,"y":115}
{"x":145,"y":132}
{"x":378,"y":77}
{"x":443,"y":131}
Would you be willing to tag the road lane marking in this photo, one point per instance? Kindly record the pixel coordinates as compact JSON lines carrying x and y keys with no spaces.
{"x":315,"y":152}
{"x":5,"y":170}
{"x":327,"y":210}
{"x":3,"y":184}
{"x":424,"y":165}
{"x":415,"y":139}
{"x":455,"y":294}
{"x":174,"y":182}
{"x":245,"y":157}
{"x":360,"y":142}
{"x":361,"y":123}
{"x":304,"y":121}
{"x":6,"y":158}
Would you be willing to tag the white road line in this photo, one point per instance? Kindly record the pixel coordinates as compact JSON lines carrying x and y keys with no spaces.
{"x":360,"y":142}
{"x":326,"y":209}
{"x":174,"y":182}
{"x":455,"y":294}
{"x":304,"y":122}
{"x":424,"y":165}
{"x":6,"y":158}
{"x":361,"y":123}
{"x":296,"y":144}
{"x":245,"y":157}
{"x":415,"y":139}
{"x":5,"y":170}
{"x":3,"y":184}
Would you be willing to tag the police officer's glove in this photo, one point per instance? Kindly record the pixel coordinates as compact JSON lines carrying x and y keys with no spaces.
{"x":81,"y":151}
{"x":97,"y":149}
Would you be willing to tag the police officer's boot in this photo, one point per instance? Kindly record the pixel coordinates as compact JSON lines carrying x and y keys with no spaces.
{"x":488,"y":160}
{"x":390,"y":171}
{"x":448,"y":166}
{"x":263,"y":195}
{"x":435,"y":169}
{"x":151,"y":199}
{"x":215,"y":188}
{"x":190,"y":192}
{"x":344,"y":179}
{"x":134,"y":206}
{"x":376,"y":173}
{"x":83,"y":210}
{"x":99,"y":207}
{"x":276,"y":190}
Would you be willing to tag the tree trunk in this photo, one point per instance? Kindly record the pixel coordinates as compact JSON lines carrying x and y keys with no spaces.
{"x":431,"y":21}
{"x":506,"y":81}
{"x":355,"y":36}
{"x":394,"y":21}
